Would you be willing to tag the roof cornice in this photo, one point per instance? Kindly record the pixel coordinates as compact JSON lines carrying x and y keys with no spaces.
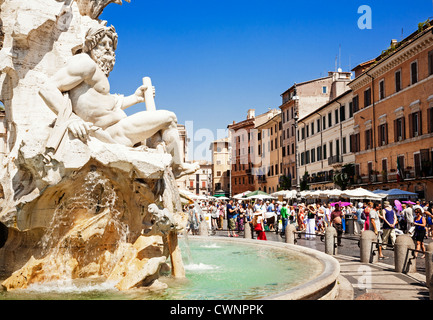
{"x":398,"y":57}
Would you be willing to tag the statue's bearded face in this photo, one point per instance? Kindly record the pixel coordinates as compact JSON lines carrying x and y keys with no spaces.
{"x":104,"y":55}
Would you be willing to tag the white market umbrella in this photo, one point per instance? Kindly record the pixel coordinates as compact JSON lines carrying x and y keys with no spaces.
{"x":241,"y":195}
{"x":286,"y":194}
{"x":314,"y":194}
{"x":261,"y":197}
{"x":360,"y":193}
{"x":333,"y":193}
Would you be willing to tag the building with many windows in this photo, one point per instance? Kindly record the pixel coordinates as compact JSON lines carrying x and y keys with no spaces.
{"x":311,"y":96}
{"x":243,"y":137}
{"x":220,"y":167}
{"x":393,"y":103}
{"x":376,"y":128}
{"x":324,"y":143}
{"x":268,"y":168}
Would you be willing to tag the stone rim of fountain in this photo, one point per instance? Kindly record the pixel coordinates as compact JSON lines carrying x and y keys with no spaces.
{"x":322,"y":287}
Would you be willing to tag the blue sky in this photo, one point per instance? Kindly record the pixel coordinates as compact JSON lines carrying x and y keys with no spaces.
{"x":211,"y":61}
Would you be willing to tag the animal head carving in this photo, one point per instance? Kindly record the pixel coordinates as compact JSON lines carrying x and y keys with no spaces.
{"x":94,"y":8}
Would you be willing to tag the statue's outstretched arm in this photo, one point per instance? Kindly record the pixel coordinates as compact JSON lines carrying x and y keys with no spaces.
{"x":144,"y":93}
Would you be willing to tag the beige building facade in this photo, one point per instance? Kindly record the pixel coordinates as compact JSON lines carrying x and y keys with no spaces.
{"x":324,"y":142}
{"x":268,"y":168}
{"x":310,"y":95}
{"x":220,"y":166}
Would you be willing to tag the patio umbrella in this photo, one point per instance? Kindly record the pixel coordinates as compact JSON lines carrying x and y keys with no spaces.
{"x":287,"y":194}
{"x":360,"y":193}
{"x":398,"y":205}
{"x":223,"y":198}
{"x":398,"y":194}
{"x":219,"y":195}
{"x":261,"y":197}
{"x":257,"y":192}
{"x":241,"y":195}
{"x":341,"y":204}
{"x":409,"y":202}
{"x":334,"y":193}
{"x":379,"y":191}
{"x":313,"y":194}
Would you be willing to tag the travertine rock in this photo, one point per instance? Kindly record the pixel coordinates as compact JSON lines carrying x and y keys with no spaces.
{"x":94,"y":207}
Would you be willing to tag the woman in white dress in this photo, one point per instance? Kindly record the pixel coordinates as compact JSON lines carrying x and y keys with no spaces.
{"x":311,"y":222}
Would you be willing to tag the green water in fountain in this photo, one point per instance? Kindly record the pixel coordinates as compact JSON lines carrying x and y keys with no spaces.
{"x":214,"y":270}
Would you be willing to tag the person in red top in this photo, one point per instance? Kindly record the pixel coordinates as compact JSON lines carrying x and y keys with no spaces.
{"x":301,"y":216}
{"x":258,"y":225}
{"x":336,"y":221}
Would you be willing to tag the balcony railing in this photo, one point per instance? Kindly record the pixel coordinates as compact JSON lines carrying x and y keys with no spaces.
{"x":261,"y":179}
{"x":337,"y":159}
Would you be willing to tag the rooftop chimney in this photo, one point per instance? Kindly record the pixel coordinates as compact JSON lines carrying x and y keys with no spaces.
{"x":251,"y":113}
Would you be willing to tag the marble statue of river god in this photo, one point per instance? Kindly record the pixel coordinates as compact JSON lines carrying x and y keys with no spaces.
{"x":87,"y":190}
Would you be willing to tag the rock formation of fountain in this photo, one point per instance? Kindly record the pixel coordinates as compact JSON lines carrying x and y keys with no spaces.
{"x":90,"y":208}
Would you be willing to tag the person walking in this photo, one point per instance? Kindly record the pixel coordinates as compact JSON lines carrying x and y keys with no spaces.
{"x":311,"y":223}
{"x":231,"y":216}
{"x":292,"y":215}
{"x":389,"y":222}
{"x":221,"y":215}
{"x":241,"y":216}
{"x":214,"y":217}
{"x":284,"y":217}
{"x":321,"y":224}
{"x":249,"y":215}
{"x":359,"y":217}
{"x":420,"y":224}
{"x":259,"y":227}
{"x":194,"y":219}
{"x":367,"y":215}
{"x":301,"y":216}
{"x":270,"y":215}
{"x":337,"y":223}
{"x":376,"y":228}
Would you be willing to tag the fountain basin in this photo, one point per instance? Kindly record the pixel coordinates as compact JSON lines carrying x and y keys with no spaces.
{"x":219,"y":269}
{"x":313,"y":275}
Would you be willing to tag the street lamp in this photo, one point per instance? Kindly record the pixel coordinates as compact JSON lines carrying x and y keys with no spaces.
{"x":296,"y":118}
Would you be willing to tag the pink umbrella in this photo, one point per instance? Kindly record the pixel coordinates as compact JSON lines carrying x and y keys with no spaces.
{"x":398,"y":205}
{"x":341,"y":204}
{"x":409,"y":202}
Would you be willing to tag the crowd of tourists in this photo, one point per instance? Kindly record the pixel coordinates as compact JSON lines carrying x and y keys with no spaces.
{"x":385,"y":220}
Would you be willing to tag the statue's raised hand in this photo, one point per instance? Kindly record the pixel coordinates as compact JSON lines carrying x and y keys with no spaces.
{"x":140,"y":92}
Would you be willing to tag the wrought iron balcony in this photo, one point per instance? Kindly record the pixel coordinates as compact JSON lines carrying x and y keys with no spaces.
{"x":338,"y":159}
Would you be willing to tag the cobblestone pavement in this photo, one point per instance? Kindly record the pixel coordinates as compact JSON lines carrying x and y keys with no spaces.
{"x":369,"y":281}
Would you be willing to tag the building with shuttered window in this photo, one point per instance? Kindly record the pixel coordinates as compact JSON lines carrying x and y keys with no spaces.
{"x":393,"y":112}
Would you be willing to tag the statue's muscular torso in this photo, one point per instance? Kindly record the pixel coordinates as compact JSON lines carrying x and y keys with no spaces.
{"x":91,"y":98}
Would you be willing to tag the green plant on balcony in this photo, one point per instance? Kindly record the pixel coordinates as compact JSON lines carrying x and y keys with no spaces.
{"x":345,"y":177}
{"x":285,"y":183}
{"x":304,"y":182}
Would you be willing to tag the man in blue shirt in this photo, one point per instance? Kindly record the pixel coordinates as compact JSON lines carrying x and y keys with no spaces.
{"x":389,"y":222}
{"x":271,"y":216}
{"x":231,"y":220}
